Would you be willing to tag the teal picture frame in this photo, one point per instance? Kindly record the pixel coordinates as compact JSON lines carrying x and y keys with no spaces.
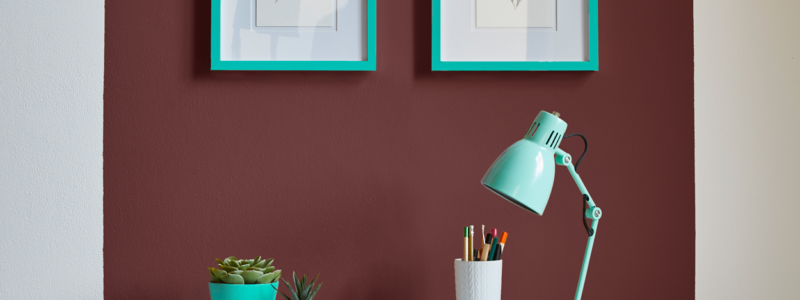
{"x":438,"y":65}
{"x":294,"y":65}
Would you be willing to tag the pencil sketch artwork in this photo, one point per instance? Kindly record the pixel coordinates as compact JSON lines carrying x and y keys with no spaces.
{"x":520,"y":14}
{"x":295,"y":13}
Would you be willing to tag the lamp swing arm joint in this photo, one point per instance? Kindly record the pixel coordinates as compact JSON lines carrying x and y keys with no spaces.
{"x":593,"y":212}
{"x":564,"y":159}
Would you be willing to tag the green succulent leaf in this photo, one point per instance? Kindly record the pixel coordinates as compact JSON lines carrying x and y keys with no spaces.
{"x":249,"y":261}
{"x":266,"y":278}
{"x":214,"y":279}
{"x":282,"y":294}
{"x":234,"y":263}
{"x":227,"y":268}
{"x":237,"y":272}
{"x":250,"y":277}
{"x":269,"y":269}
{"x":315,"y":292}
{"x":277,"y":275}
{"x":304,"y":293}
{"x":296,"y":282}
{"x":218,"y":273}
{"x":294,"y":295}
{"x":260,"y":264}
{"x":269,"y":262}
{"x":233,"y":279}
{"x":311,"y":286}
{"x":219,"y":261}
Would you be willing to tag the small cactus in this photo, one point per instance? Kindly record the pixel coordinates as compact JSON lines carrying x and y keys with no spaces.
{"x":244,"y":271}
{"x":302,"y":289}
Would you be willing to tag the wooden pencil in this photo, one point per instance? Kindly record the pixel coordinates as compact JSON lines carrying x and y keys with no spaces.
{"x":471,"y":245}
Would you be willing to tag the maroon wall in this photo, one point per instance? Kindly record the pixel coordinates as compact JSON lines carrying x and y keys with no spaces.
{"x":367,"y":177}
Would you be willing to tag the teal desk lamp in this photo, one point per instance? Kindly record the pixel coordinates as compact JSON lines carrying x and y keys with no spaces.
{"x":524,"y":174}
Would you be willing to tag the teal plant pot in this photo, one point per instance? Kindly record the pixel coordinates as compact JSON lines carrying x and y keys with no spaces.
{"x":264,"y":291}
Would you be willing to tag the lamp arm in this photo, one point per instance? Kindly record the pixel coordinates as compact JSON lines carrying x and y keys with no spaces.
{"x":593,"y":212}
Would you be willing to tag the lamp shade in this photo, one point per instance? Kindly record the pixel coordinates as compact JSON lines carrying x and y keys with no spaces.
{"x":524,"y":173}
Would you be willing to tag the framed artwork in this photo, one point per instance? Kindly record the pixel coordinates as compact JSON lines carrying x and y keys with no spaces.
{"x":312,"y":35}
{"x":514,"y":35}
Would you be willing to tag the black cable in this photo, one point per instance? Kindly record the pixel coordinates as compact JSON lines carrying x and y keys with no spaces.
{"x":589,"y":230}
{"x":585,"y":149}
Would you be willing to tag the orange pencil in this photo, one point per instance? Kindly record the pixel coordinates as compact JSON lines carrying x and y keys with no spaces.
{"x":503,"y":241}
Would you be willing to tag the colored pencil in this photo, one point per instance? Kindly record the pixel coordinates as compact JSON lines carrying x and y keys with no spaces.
{"x":503,"y":241}
{"x":493,"y":249}
{"x":466,"y":244}
{"x":487,"y":246}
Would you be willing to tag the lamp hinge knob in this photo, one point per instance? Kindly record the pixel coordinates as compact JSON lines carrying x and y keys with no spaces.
{"x":593,"y":213}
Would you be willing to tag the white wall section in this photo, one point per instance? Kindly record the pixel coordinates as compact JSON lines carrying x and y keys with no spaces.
{"x":747,"y":155}
{"x":51,"y":147}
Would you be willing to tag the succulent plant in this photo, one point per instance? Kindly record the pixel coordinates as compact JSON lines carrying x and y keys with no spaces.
{"x":244,"y":271}
{"x":301,"y":291}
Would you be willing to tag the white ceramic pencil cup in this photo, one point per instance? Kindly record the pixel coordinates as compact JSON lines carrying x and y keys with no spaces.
{"x":478,"y":280}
